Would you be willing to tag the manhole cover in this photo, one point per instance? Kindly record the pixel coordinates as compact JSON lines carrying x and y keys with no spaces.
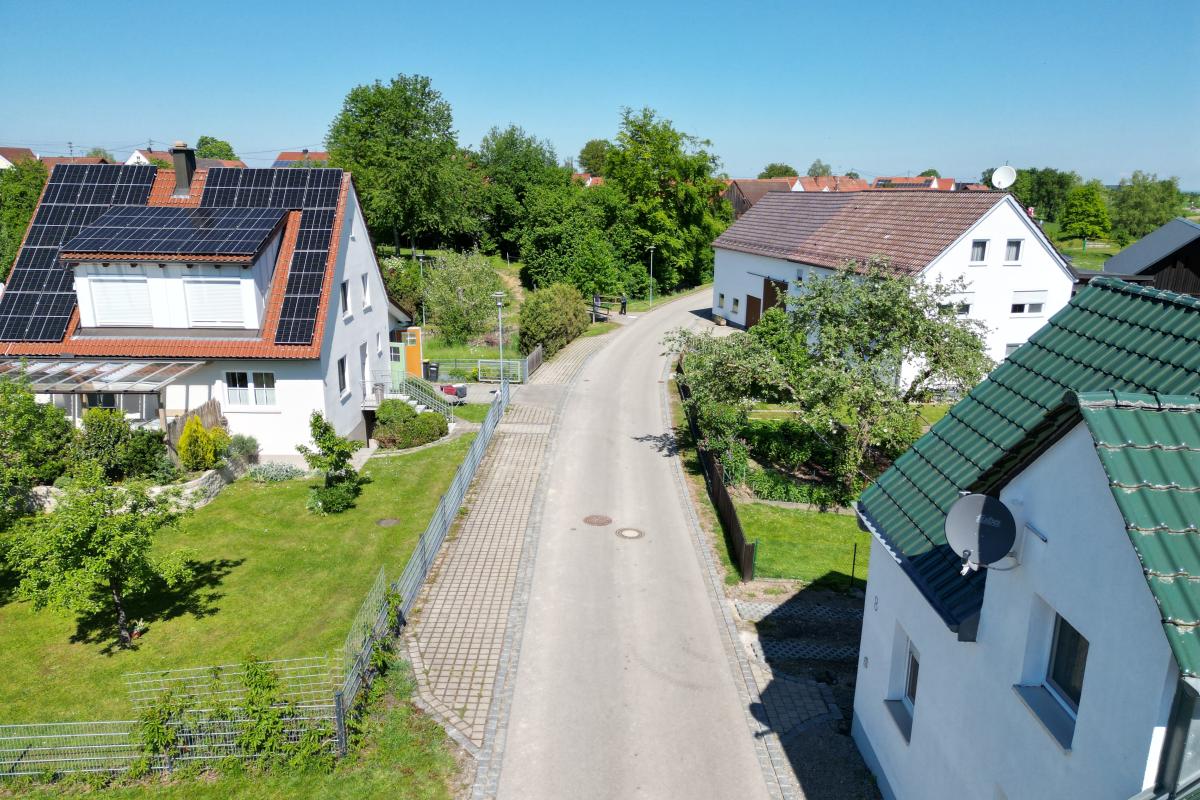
{"x":599,"y":520}
{"x":630,"y":533}
{"x":387,"y":522}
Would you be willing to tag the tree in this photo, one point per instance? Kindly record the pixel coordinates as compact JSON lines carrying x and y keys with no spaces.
{"x":94,"y":550}
{"x":100,"y":152}
{"x":20,"y":187}
{"x":35,"y":442}
{"x":512,"y":162}
{"x":332,"y":453}
{"x":398,"y":140}
{"x":1045,"y":190}
{"x":552,"y":317}
{"x":931,"y":173}
{"x":852,"y":174}
{"x":161,"y":163}
{"x":777,"y":169}
{"x":404,"y":282}
{"x":1142,"y":203}
{"x":458,"y":295}
{"x":667,"y":178}
{"x":1085,"y":214}
{"x":592,"y":155}
{"x":212,"y":147}
{"x":819,"y":169}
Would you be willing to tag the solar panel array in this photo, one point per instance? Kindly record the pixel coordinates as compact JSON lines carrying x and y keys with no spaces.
{"x":315,"y":192}
{"x":40,"y":294}
{"x":178,"y":231}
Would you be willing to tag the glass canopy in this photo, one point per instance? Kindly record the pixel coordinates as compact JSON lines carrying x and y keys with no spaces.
{"x":78,"y":375}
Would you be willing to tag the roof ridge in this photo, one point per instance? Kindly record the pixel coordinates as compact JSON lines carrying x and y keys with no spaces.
{"x":1115,"y":284}
{"x":1146,"y":401}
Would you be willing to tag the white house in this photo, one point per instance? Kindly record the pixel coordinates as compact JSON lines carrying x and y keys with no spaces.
{"x":1015,"y":278}
{"x":11,"y":155}
{"x":1070,"y":668}
{"x":146,"y":157}
{"x":155,"y":291}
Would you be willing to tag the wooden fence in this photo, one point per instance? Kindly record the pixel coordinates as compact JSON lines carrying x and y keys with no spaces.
{"x":744,"y":553}
{"x":209,"y":413}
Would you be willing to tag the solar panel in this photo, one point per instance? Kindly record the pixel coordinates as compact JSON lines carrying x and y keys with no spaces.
{"x":40,"y":295}
{"x":178,"y":231}
{"x":314,"y":192}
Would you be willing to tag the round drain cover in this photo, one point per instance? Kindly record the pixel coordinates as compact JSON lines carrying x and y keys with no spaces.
{"x":599,"y":520}
{"x":387,"y":522}
{"x":630,"y":533}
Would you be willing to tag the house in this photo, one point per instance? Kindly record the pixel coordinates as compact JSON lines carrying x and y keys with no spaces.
{"x":291,"y":158}
{"x":920,"y":182}
{"x":743,"y":193}
{"x":1015,"y":278}
{"x":830,"y":183}
{"x":587,"y":179}
{"x":53,"y":161}
{"x":158,"y":290}
{"x":1170,"y":256}
{"x":1068,"y":668}
{"x":11,"y":155}
{"x":147,"y":157}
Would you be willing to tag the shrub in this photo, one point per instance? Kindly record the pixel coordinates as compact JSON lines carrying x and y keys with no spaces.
{"x":105,"y":435}
{"x":552,"y":317}
{"x":333,"y":499}
{"x":273,"y":472}
{"x":771,"y":485}
{"x":392,"y":411}
{"x":332,"y":456}
{"x":419,"y":429}
{"x":145,"y":456}
{"x":202,"y":448}
{"x":243,"y":447}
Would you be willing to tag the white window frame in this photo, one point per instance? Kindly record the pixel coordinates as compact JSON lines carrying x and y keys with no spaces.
{"x":366,"y":292}
{"x":257,"y":392}
{"x":1020,"y":243}
{"x":1023,"y":302}
{"x":912,"y":678}
{"x":215,"y":323}
{"x":264,"y":394}
{"x":1057,"y":692}
{"x":345,"y":298}
{"x":974,"y":242}
{"x":126,"y":282}
{"x":1011,"y":348}
{"x":343,"y":377}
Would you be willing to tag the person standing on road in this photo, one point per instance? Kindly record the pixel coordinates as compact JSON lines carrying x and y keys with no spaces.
{"x":624,"y":301}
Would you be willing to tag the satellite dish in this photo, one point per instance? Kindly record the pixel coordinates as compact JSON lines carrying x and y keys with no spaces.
{"x":1003,"y":177}
{"x":981,"y":530}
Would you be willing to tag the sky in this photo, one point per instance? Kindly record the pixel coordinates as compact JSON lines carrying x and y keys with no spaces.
{"x":885,"y":88}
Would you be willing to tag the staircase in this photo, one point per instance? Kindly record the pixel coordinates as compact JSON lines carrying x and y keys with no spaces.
{"x":418,"y":393}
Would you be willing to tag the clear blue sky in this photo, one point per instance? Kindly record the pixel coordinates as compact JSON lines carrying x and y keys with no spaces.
{"x":1097,"y":86}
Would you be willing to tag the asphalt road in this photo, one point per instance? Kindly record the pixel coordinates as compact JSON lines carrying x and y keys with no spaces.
{"x":623,"y":688}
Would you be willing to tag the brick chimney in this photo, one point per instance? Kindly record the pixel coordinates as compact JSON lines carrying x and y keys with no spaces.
{"x":185,"y":168}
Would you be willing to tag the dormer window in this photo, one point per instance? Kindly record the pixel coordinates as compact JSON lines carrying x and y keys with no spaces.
{"x":121,"y":301}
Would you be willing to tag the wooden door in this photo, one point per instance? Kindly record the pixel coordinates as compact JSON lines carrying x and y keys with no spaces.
{"x":753,"y":310}
{"x":774,"y":293}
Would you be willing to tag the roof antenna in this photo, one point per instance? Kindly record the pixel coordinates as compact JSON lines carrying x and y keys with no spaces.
{"x":71,"y":149}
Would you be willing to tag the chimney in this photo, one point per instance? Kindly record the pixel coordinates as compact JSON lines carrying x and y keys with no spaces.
{"x":185,"y":168}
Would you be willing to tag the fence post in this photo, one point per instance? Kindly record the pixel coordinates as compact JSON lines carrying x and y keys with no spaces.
{"x":339,"y":717}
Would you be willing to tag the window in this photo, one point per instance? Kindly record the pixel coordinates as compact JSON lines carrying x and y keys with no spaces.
{"x":735,"y":305}
{"x":1028,"y":303}
{"x":978,"y":250}
{"x":903,"y":677}
{"x":213,"y":302}
{"x":1012,"y":252}
{"x":250,"y":388}
{"x":121,"y":301}
{"x":1009,"y":349}
{"x":960,"y":304}
{"x":721,"y":300}
{"x":911,"y":676}
{"x":342,"y":374}
{"x":1068,"y":657}
{"x":345,"y":297}
{"x":378,"y":343}
{"x":366,"y":291}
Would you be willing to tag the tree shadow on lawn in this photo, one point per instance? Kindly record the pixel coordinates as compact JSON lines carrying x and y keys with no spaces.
{"x":196,"y":597}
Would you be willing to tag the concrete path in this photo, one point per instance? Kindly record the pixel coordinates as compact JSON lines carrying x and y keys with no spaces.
{"x":630,"y":683}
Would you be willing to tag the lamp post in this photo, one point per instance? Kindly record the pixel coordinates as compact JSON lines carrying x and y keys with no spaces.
{"x":499,"y":298}
{"x":421,"y":267}
{"x":652,"y":276}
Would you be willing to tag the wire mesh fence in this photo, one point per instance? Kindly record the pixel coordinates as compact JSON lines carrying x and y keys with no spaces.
{"x":315,"y":695}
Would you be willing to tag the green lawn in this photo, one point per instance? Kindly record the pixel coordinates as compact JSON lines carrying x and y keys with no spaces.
{"x":643,"y":304}
{"x":436,"y":350}
{"x":272,"y":579}
{"x":932,"y":412}
{"x":599,"y":328}
{"x":805,"y":545}
{"x":404,"y":754}
{"x":1093,"y":258}
{"x":472,"y":412}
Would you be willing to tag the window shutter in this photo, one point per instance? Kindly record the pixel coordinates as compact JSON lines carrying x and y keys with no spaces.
{"x":214,"y":302}
{"x":1029,"y":297}
{"x":121,"y":301}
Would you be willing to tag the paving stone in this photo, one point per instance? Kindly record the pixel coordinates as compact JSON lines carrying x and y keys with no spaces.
{"x":752,"y":611}
{"x":769,"y":650}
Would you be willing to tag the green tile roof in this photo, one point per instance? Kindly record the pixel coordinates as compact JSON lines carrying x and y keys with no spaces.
{"x":1149,"y":446}
{"x":1112,"y":336}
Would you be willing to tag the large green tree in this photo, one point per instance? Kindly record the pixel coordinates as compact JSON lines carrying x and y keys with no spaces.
{"x":95,"y":550}
{"x":512,"y":162}
{"x":399,"y":141}
{"x":1044,"y":190}
{"x":20,"y":187}
{"x":212,"y":147}
{"x":1085,"y":214}
{"x":1142,"y":203}
{"x":668,"y":179}
{"x":458,"y":295}
{"x":819,"y":169}
{"x":777,"y":169}
{"x":592,"y":155}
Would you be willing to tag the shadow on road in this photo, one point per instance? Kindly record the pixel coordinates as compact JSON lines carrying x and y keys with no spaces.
{"x":664,"y":443}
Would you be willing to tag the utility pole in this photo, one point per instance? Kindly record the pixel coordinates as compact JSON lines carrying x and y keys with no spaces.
{"x":499,"y":298}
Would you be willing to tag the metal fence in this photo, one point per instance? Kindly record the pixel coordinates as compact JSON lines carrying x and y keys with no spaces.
{"x":487,"y":370}
{"x":320,"y":692}
{"x":744,"y":553}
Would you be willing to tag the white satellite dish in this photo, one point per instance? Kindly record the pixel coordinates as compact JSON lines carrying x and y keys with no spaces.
{"x":981,"y":530}
{"x":1003,"y":177}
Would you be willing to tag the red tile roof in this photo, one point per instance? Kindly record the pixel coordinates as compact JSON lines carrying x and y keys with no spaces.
{"x":15,"y":154}
{"x":262,"y":347}
{"x":52,"y":161}
{"x":832,"y":183}
{"x":300,"y":155}
{"x":828,"y":229}
{"x":754,"y":189}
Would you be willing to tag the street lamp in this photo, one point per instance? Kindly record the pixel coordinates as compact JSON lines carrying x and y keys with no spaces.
{"x":652,"y":276}
{"x":499,"y":298}
{"x":421,"y":267}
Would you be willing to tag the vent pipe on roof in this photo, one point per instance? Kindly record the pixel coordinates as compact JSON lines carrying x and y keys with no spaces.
{"x":185,"y":168}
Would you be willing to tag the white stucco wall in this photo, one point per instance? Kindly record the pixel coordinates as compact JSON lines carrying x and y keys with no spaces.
{"x":972,"y":735}
{"x":738,"y":275}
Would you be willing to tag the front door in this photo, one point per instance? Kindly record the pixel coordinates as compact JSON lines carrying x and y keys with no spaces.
{"x":753,"y":310}
{"x":774,"y":293}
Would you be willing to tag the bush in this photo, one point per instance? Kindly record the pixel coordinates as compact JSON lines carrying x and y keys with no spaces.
{"x":145,"y":456}
{"x":418,"y":429}
{"x":333,"y":499}
{"x":105,"y":435}
{"x":243,"y":447}
{"x":771,"y":485}
{"x":202,"y":448}
{"x":393,"y":411}
{"x":273,"y":472}
{"x":552,"y":317}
